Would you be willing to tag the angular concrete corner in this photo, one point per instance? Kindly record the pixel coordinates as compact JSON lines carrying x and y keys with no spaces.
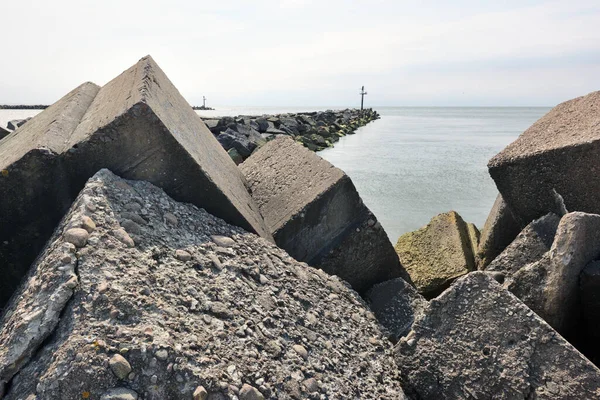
{"x":139,"y":126}
{"x":438,"y":253}
{"x":478,"y":341}
{"x":315,"y":213}
{"x":561,"y":153}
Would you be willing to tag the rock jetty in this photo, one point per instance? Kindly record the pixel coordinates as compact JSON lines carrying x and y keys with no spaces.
{"x":242,"y":135}
{"x":139,"y":262}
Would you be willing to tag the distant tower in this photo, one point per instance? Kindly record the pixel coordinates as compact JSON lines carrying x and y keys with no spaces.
{"x":203,"y":102}
{"x":362,"y":97}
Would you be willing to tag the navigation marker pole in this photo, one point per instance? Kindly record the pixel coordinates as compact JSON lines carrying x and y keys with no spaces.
{"x":362,"y":97}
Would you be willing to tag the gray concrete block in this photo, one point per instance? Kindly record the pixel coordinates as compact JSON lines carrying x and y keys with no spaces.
{"x":559,"y":152}
{"x":478,"y":341}
{"x":315,"y":213}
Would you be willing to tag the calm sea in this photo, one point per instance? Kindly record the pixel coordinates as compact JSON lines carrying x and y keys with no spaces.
{"x":414,"y":163}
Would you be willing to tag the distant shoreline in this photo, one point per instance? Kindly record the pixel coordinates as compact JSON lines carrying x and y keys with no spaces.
{"x":23,"y":107}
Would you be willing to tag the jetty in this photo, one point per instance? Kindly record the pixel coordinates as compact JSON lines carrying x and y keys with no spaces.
{"x":138,"y":261}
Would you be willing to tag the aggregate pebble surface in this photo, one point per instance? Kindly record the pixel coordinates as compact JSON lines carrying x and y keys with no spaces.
{"x":185,"y":306}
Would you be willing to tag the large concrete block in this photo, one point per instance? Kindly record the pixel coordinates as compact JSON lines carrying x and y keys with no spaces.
{"x":139,"y":126}
{"x":181,"y":310}
{"x":550,"y":286}
{"x":438,"y":253}
{"x":315,"y":213}
{"x":34,"y":187}
{"x":499,"y":230}
{"x":478,"y":341}
{"x":561,"y":153}
{"x":529,"y":246}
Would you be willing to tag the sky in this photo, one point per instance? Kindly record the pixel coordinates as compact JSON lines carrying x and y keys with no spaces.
{"x":309,"y":52}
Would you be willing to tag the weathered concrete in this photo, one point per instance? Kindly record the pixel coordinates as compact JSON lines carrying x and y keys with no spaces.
{"x":34,"y":185}
{"x":550,"y":286}
{"x":589,"y":282}
{"x":437,"y":254}
{"x":561,"y":152}
{"x":478,"y":341}
{"x":166,"y":143}
{"x":195,"y":307}
{"x":139,"y":126}
{"x":316,"y":215}
{"x":498,"y":232}
{"x":396,"y":304}
{"x":529,"y":246}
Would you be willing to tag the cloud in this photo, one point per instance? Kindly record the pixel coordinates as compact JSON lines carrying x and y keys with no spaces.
{"x":286,"y":52}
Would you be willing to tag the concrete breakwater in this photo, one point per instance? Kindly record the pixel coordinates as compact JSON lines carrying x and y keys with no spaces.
{"x":241,"y":135}
{"x":139,"y":262}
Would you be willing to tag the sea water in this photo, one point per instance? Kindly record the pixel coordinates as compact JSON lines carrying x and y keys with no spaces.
{"x":413,"y":163}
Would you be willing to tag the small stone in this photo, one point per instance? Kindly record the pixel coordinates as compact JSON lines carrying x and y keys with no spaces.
{"x":88,"y":224}
{"x":248,"y":392}
{"x":216,"y":262}
{"x":183,"y":255}
{"x":223,"y":241}
{"x":119,"y":394}
{"x":171,"y":219}
{"x":120,"y":366}
{"x":162,"y":354}
{"x":131,"y":226}
{"x":301,"y":351}
{"x":103,"y":287}
{"x":133,"y":207}
{"x":77,"y":236}
{"x":153,"y":379}
{"x":123,"y":237}
{"x":200,"y":393}
{"x":311,"y":385}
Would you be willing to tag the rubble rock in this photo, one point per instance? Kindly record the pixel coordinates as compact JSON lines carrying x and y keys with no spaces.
{"x":529,"y":246}
{"x":498,"y":232}
{"x":138,"y":125}
{"x":315,"y":214}
{"x":557,"y":154}
{"x":437,"y":254}
{"x":15,"y":123}
{"x":478,"y":341}
{"x":182,"y":325}
{"x":395,"y":304}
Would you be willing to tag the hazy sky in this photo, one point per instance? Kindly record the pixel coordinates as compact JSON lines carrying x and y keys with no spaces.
{"x":305,"y":52}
